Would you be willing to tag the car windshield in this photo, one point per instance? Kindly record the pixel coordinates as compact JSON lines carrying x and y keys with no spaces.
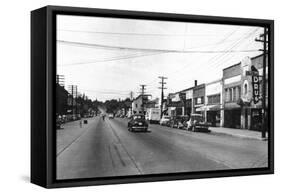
{"x":138,"y":117}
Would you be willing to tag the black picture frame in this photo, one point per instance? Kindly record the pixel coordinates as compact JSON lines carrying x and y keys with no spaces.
{"x":43,"y":75}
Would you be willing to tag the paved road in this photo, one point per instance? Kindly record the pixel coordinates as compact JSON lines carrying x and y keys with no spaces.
{"x":107,"y":148}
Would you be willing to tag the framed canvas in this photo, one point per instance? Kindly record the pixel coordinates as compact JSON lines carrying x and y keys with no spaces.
{"x":126,"y":96}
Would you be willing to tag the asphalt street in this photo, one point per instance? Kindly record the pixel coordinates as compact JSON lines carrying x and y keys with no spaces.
{"x":106,"y":148}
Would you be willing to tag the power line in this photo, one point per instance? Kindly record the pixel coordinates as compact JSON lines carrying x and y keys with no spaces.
{"x":238,"y":43}
{"x":134,"y":34}
{"x":225,"y":38}
{"x":160,"y":51}
{"x":226,"y":56}
{"x":219,"y":57}
{"x":117,"y":58}
{"x":147,"y":49}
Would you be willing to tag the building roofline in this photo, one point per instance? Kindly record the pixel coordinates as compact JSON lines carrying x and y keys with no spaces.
{"x":141,"y":95}
{"x":232,"y":66}
{"x":258,"y":56}
{"x":200,"y":85}
{"x":240,"y":61}
{"x":214,"y":81}
{"x":190,"y":88}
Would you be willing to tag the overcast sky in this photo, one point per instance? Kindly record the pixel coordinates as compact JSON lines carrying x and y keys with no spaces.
{"x":107,"y":57}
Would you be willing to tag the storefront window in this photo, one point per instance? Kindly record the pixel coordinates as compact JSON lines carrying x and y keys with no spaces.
{"x":232,"y":94}
{"x":214,"y":99}
{"x":226,"y":95}
{"x":238,"y":92}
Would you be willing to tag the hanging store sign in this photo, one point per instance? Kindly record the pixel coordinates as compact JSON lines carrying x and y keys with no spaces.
{"x":255,"y":84}
{"x":175,"y":104}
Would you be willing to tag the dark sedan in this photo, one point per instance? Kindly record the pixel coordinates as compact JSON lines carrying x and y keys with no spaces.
{"x":137,"y":122}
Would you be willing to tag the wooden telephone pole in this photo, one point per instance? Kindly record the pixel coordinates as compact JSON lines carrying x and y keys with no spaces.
{"x":162,"y":93}
{"x":142,"y":94}
{"x":263,"y":39}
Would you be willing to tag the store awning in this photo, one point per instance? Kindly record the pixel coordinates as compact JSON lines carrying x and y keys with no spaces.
{"x":229,"y":106}
{"x":202,"y":108}
{"x":214,"y":107}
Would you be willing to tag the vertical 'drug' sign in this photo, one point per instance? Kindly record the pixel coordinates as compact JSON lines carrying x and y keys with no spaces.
{"x":256,"y":85}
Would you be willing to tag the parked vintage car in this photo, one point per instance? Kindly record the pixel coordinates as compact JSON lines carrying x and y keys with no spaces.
{"x":178,"y":121}
{"x":137,"y":122}
{"x":196,"y":123}
{"x":165,"y":120}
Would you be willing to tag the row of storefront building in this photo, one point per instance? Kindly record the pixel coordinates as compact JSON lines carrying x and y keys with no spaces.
{"x":226,"y":102}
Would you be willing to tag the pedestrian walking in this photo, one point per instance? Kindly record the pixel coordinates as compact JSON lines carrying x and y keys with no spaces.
{"x":80,"y":123}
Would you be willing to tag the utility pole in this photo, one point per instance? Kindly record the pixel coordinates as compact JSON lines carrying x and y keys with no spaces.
{"x":131,"y":95}
{"x":73,"y":91}
{"x":162,"y":93}
{"x":142,"y":94}
{"x":263,"y":39}
{"x":76,"y":96}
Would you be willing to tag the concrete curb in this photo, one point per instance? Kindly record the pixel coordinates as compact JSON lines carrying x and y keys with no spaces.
{"x":238,"y":135}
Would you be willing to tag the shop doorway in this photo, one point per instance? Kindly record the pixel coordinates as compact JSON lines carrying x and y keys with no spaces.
{"x":232,"y":118}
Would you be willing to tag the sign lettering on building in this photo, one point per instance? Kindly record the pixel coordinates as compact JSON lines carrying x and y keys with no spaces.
{"x":256,"y":85}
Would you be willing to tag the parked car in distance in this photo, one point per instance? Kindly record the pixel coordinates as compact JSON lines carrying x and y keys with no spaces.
{"x":196,"y":123}
{"x":137,"y":122}
{"x":178,"y":121}
{"x":165,"y":120}
{"x":110,"y":116}
{"x":59,"y":122}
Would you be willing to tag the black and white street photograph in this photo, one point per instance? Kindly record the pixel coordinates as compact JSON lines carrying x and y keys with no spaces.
{"x":144,"y":97}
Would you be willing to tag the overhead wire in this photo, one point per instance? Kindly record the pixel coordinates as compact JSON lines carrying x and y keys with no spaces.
{"x":219,"y":56}
{"x":135,"y":33}
{"x":142,"y":52}
{"x":148,"y":49}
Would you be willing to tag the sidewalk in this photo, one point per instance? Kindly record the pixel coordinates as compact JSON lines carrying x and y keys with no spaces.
{"x":70,"y":132}
{"x":242,"y":133}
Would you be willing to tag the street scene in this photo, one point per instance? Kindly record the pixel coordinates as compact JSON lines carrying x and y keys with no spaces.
{"x":138,"y":97}
{"x":107,"y":148}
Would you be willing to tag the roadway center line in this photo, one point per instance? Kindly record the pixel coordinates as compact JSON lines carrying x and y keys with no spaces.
{"x":121,"y":143}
